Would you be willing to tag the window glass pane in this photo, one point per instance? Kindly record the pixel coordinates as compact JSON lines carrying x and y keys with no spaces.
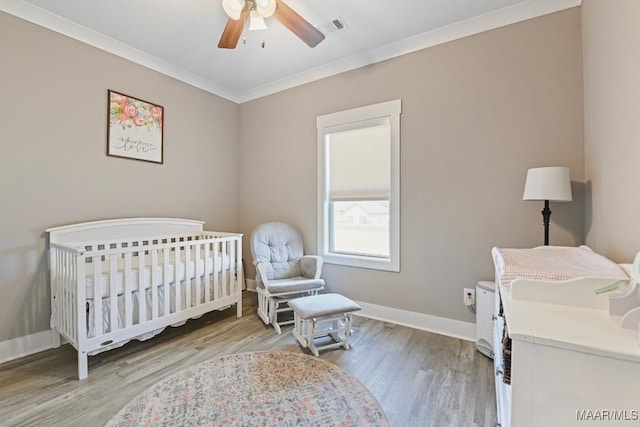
{"x":360,"y":227}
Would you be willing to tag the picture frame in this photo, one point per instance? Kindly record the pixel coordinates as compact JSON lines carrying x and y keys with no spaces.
{"x":135,"y":128}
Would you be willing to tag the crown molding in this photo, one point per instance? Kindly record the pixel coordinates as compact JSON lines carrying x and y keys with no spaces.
{"x":510,"y":15}
{"x":500,"y":18}
{"x":46,"y":19}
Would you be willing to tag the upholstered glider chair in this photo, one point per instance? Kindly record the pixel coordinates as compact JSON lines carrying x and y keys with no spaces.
{"x":283,"y":272}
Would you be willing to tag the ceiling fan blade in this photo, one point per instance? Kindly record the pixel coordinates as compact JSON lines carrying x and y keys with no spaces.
{"x":232,"y":31}
{"x":297,"y":24}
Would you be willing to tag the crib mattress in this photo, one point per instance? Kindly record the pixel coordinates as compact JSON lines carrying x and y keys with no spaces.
{"x":552,"y":263}
{"x":185,"y":271}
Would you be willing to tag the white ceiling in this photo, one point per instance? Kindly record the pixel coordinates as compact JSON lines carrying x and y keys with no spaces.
{"x":180,"y":37}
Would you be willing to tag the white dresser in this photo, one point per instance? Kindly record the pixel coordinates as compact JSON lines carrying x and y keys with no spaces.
{"x":571,"y":364}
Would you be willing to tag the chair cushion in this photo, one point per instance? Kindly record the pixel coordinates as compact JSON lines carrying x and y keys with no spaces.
{"x":294,"y":284}
{"x":279,"y":246}
{"x":322,"y":305}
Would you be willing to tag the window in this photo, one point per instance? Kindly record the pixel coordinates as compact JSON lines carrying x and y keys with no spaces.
{"x":359,"y":186}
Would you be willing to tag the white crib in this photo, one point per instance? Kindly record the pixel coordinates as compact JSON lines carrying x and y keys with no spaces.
{"x":99,"y":270}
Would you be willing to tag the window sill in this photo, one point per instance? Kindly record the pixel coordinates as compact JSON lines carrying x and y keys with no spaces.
{"x":362,"y":262}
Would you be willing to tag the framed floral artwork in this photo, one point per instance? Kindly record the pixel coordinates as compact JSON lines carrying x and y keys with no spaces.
{"x":135,"y":128}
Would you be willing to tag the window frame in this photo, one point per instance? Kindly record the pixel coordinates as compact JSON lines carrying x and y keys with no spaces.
{"x":392,"y":110}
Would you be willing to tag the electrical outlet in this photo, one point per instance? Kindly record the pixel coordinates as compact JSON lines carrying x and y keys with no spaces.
{"x":469,"y":296}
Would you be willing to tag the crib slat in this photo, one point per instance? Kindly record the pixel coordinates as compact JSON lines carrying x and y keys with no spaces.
{"x":207,"y":271}
{"x":154,"y":283}
{"x":225,"y":272}
{"x":187,"y":276}
{"x":58,"y":285}
{"x":216,"y":277}
{"x":198,"y":272}
{"x":68,"y":288}
{"x":166,"y":280}
{"x":97,"y":293}
{"x":178,"y":287}
{"x":113,"y":292}
{"x":56,"y":288}
{"x":142,"y":300}
{"x":128,"y":278}
{"x":79,"y":297}
{"x":239,"y":270}
{"x":232,"y":267}
{"x":65,"y":297}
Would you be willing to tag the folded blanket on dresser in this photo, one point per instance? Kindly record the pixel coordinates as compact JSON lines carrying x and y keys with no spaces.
{"x":552,"y":263}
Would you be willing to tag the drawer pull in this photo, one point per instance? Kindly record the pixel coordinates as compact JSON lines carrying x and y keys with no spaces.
{"x":494,"y":317}
{"x":499,"y":372}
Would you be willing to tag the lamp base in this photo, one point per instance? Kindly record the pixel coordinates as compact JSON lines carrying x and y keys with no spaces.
{"x":546,"y":214}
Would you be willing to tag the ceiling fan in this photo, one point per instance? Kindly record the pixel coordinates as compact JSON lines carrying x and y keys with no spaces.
{"x":255,"y":11}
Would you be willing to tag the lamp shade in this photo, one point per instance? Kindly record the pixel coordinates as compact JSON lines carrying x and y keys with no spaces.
{"x":548,"y":183}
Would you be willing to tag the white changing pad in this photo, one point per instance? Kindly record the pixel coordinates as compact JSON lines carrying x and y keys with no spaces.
{"x":552,"y":263}
{"x":191,"y":273}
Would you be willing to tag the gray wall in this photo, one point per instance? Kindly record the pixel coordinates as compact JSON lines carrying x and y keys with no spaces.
{"x":612,"y":126}
{"x":54,"y":169}
{"x":476,"y":114}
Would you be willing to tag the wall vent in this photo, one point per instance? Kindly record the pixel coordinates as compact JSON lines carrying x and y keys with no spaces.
{"x":333,"y":26}
{"x":338,"y":23}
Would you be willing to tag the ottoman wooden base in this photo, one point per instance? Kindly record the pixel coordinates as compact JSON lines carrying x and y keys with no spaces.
{"x":321,"y":316}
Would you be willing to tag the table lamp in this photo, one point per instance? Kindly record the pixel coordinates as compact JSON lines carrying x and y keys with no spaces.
{"x":548,"y":184}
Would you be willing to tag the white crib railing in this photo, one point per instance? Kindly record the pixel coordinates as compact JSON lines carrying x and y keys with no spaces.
{"x":105,"y":293}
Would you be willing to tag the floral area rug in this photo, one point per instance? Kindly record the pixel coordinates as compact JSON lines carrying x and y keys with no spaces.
{"x":255,"y":389}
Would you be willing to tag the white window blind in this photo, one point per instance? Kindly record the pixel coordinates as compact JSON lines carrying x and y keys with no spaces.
{"x":360,"y":160}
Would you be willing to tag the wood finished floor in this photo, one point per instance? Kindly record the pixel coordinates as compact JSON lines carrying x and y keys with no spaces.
{"x":419,"y":378}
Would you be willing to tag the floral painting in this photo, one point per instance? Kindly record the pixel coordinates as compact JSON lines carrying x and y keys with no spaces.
{"x":135,"y":128}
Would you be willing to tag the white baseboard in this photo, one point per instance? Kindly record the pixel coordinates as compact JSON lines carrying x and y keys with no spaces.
{"x":425,"y":322}
{"x":250,"y":284}
{"x":439,"y":325}
{"x":24,"y":346}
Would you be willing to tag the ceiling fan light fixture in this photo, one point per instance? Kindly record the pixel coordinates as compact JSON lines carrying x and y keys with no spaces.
{"x":233,"y":8}
{"x":265,"y":8}
{"x":256,"y":22}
